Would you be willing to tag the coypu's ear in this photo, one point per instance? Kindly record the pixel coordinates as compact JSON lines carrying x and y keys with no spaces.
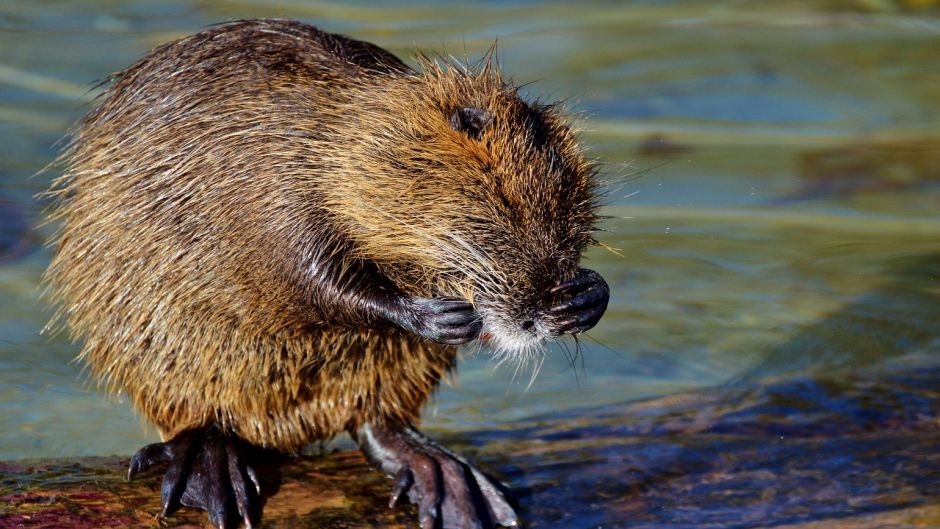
{"x":470,"y":120}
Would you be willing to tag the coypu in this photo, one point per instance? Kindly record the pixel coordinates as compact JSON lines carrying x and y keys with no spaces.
{"x":272,"y":234}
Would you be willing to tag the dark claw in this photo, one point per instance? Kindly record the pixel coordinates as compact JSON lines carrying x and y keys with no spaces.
{"x":561,"y":326}
{"x":253,"y":476}
{"x":245,"y":496}
{"x":213,"y":491}
{"x":403,"y":482}
{"x":146,"y":457}
{"x":588,"y":298}
{"x":584,"y":279}
{"x":207,"y":470}
{"x":581,"y":321}
{"x":183,"y":453}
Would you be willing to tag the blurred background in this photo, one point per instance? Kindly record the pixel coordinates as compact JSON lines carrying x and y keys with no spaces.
{"x":773,"y":203}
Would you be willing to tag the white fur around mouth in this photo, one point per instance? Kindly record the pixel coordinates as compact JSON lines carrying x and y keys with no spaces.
{"x":513,"y":347}
{"x":510,"y":343}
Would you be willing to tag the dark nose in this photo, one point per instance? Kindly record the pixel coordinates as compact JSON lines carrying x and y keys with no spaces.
{"x":577,"y":305}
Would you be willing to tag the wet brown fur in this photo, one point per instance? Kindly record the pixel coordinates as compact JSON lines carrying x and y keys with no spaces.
{"x":205,"y":195}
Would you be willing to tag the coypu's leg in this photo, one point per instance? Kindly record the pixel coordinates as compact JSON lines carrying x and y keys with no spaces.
{"x":207,"y":470}
{"x":357,"y":295}
{"x":449,"y":491}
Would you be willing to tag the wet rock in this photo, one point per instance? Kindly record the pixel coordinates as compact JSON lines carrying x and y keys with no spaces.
{"x":336,"y":491}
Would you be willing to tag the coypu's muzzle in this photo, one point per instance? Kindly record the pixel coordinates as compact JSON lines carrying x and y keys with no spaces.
{"x":571,"y":307}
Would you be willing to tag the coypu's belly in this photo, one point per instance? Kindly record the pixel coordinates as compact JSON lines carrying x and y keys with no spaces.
{"x":288,"y":389}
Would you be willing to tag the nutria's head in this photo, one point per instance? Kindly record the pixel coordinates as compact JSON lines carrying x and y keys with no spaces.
{"x":464,"y":189}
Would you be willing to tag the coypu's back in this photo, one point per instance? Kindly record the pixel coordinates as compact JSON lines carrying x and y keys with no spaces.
{"x":203,"y":196}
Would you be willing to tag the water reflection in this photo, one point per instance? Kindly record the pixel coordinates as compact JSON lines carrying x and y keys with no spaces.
{"x":856,"y":450}
{"x":899,"y":318}
{"x":869,"y":167}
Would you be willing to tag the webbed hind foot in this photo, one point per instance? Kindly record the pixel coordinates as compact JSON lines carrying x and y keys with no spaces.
{"x":207,"y":470}
{"x":450,"y":493}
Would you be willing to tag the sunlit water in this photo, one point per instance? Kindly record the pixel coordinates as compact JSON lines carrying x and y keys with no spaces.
{"x":775,"y":182}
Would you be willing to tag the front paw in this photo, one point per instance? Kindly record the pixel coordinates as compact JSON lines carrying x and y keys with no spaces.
{"x":578,"y":303}
{"x":442,"y":320}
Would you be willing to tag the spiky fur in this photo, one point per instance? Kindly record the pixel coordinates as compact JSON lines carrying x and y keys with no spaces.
{"x":236,"y":190}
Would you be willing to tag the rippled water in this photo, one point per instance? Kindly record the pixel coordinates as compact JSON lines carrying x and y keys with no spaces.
{"x":775,"y":183}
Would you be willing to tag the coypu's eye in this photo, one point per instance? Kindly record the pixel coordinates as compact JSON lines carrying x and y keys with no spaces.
{"x":470,"y":120}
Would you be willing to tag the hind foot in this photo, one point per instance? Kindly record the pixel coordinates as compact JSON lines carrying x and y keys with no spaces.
{"x":449,"y":492}
{"x":207,"y":470}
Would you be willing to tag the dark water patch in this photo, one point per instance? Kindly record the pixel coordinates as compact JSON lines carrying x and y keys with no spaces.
{"x":868,"y":167}
{"x":658,"y":144}
{"x":16,"y":237}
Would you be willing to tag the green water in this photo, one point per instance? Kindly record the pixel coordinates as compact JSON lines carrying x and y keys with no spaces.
{"x":775,"y":183}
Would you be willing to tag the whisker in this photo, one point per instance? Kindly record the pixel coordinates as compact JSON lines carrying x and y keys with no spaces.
{"x":605,"y":346}
{"x":562,"y":343}
{"x":572,"y":359}
{"x":535,"y":373}
{"x":579,"y":352}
